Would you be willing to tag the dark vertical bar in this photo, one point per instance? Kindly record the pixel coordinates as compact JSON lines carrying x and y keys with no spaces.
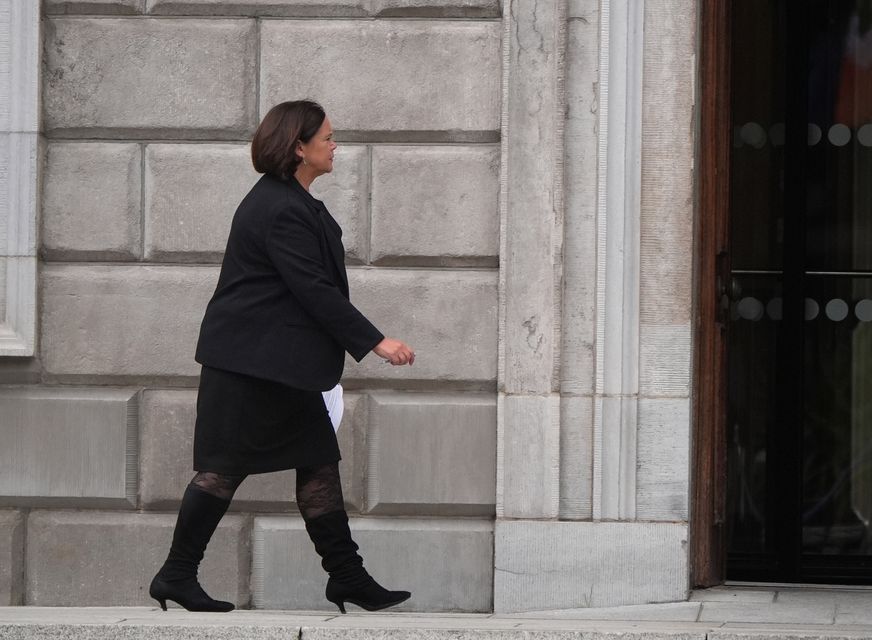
{"x":708,"y":498}
{"x":786,"y":451}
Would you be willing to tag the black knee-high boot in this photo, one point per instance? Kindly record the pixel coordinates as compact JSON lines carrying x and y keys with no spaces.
{"x":349,"y":581}
{"x":198,"y":518}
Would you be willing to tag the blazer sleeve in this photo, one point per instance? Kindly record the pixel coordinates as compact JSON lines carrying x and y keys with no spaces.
{"x":293,"y":245}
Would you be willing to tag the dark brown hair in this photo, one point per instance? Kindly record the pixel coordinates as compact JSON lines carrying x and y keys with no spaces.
{"x":273,"y":148}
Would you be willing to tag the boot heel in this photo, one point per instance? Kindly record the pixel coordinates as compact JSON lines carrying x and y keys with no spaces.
{"x":340,"y":604}
{"x":163,"y":603}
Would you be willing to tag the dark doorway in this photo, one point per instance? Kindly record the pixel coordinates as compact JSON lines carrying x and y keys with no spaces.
{"x":797,"y":292}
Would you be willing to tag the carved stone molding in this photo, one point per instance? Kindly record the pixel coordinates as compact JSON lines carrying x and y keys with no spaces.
{"x":19,"y":142}
{"x":618,"y":250}
{"x":531,"y":259}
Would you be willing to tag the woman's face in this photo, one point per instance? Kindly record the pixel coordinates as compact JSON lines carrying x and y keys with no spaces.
{"x":318,"y":152}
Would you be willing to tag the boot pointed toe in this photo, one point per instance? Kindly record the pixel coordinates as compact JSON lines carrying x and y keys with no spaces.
{"x":371,"y":596}
{"x":187,"y":593}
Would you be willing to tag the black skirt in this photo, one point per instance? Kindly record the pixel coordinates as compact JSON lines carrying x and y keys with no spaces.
{"x":247,"y":425}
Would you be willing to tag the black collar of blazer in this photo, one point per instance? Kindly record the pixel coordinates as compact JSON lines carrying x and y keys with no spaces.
{"x":331,"y":229}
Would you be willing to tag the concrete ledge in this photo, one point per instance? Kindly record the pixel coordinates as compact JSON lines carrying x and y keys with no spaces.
{"x":117,"y":632}
{"x":670,"y":622}
{"x":322,"y":633}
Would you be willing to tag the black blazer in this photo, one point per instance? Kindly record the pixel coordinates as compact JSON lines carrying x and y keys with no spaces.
{"x":281,"y":309}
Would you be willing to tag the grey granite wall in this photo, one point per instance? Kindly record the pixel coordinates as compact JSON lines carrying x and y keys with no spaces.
{"x":147,"y":111}
{"x":515,"y":185}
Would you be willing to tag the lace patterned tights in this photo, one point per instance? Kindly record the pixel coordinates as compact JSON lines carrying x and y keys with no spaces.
{"x":318,"y":488}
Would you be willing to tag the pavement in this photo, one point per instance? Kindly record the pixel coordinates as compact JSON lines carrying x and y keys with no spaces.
{"x":723,"y":613}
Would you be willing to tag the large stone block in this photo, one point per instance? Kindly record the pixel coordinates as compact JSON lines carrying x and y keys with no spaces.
{"x":577,"y":361}
{"x":4,"y":271}
{"x":113,"y":320}
{"x":345,"y":192}
{"x":663,"y":464}
{"x":446,"y":564}
{"x":667,"y":204}
{"x":123,"y":320}
{"x":531,"y":201}
{"x":191,"y":193}
{"x":167,"y":426}
{"x":570,"y":565}
{"x":18,"y":370}
{"x":19,"y":154}
{"x":271,"y":8}
{"x":11,"y":558}
{"x":584,"y":11}
{"x":68,"y":446}
{"x":438,"y":203}
{"x":614,"y":460}
{"x":528,"y":457}
{"x":431,"y":454}
{"x":18,"y":306}
{"x":665,"y":360}
{"x":150,"y":78}
{"x":851,"y":607}
{"x":110,"y":7}
{"x":425,"y":62}
{"x":576,"y":458}
{"x":19,"y":61}
{"x":95,"y":558}
{"x":448,"y":317}
{"x":667,"y":172}
{"x":19,"y":164}
{"x":91,"y":201}
{"x":532,"y":312}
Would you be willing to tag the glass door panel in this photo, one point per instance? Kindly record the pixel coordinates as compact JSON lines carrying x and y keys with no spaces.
{"x":799,"y":504}
{"x":837,"y":431}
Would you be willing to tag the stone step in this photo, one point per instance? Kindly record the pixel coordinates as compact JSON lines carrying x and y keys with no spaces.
{"x":96,"y":623}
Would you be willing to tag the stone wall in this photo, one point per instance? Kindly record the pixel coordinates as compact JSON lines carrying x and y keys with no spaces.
{"x":596,"y":331}
{"x":515,"y":187}
{"x":147,"y":109}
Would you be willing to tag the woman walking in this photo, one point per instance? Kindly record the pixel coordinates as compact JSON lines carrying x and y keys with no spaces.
{"x":274,"y":337}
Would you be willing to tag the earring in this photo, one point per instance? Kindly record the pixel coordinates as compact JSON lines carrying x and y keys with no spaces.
{"x":305,"y":162}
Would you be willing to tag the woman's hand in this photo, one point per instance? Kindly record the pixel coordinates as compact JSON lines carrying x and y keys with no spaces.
{"x":395,"y":351}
